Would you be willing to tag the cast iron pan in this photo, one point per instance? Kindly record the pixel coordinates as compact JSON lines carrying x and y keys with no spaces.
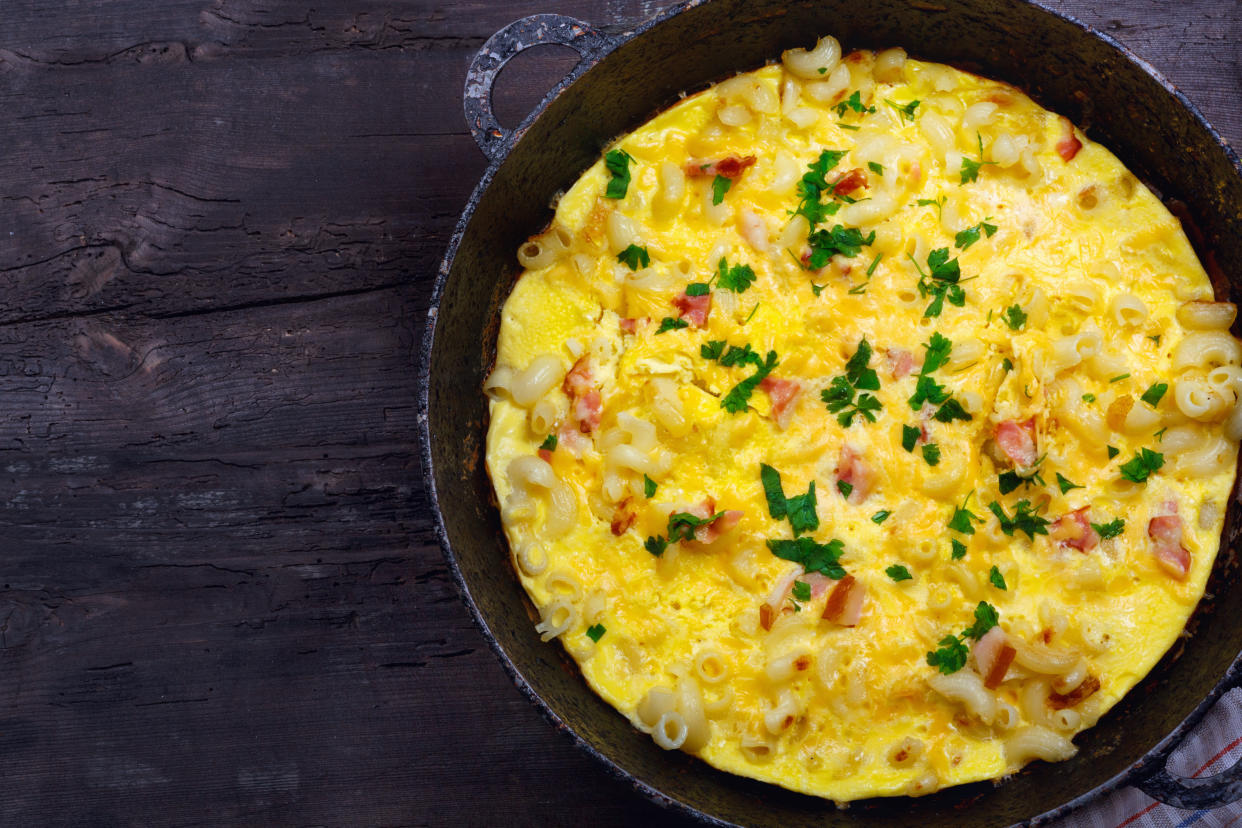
{"x":620,"y":82}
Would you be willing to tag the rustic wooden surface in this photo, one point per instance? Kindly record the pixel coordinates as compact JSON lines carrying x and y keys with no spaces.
{"x":221,"y":598}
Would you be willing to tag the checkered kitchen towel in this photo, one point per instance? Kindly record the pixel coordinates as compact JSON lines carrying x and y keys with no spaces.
{"x":1215,"y":744}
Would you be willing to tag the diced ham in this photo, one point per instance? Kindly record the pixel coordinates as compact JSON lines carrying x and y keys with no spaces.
{"x":1069,"y":145}
{"x":1166,"y":535}
{"x":708,"y":532}
{"x":852,"y":469}
{"x":818,"y":583}
{"x":571,"y":440}
{"x":545,"y":455}
{"x":1074,"y":530}
{"x":578,"y":380}
{"x":754,"y":230}
{"x":849,"y":182}
{"x":916,"y":173}
{"x":776,"y":602}
{"x":623,"y":518}
{"x":900,"y":362}
{"x":784,"y":396}
{"x":629,"y":325}
{"x":993,"y":655}
{"x":845,"y":604}
{"x":587,"y":410}
{"x":1017,"y":441}
{"x":1089,"y":686}
{"x":693,"y":309}
{"x":731,"y":167}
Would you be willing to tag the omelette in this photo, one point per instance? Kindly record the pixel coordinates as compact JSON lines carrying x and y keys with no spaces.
{"x":862,"y":427}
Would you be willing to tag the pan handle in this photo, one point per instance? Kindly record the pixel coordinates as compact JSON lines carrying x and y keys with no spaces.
{"x":1195,"y":793}
{"x":500,"y":48}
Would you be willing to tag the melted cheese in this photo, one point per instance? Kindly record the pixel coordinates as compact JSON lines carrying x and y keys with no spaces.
{"x":856,"y":714}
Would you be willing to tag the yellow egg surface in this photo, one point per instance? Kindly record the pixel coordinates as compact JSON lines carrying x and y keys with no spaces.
{"x":862,"y":427}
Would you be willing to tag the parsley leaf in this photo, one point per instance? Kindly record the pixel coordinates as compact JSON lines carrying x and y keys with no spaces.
{"x":773,"y":491}
{"x":656,"y":545}
{"x":933,"y":202}
{"x":736,"y":400}
{"x":950,"y":411}
{"x":1010,"y":480}
{"x":1024,"y":519}
{"x":668,"y":323}
{"x":986,"y":617}
{"x":649,"y":487}
{"x":931,"y":453}
{"x":1088,"y":398}
{"x":618,"y":164}
{"x":959,"y":550}
{"x":595,"y":632}
{"x":1065,"y":484}
{"x":1142,"y":465}
{"x":1113,"y":451}
{"x":856,"y":369}
{"x":950,"y":657}
{"x":846,"y":241}
{"x":962,"y":519}
{"x":813,"y":556}
{"x":712,"y":349}
{"x":800,"y":509}
{"x":905,"y":110}
{"x":1109,"y":530}
{"x":909,"y":436}
{"x":898,"y":573}
{"x":970,"y":235}
{"x":634,"y":257}
{"x":997,"y":579}
{"x":878,"y":169}
{"x":844,"y":488}
{"x":1014,"y":317}
{"x":720,"y":186}
{"x":1153,"y":395}
{"x":737,"y":278}
{"x":549,"y":443}
{"x":880,"y":516}
{"x":681,"y":525}
{"x":698,"y":289}
{"x":801,"y":591}
{"x":838,"y":397}
{"x":970,"y":167}
{"x":927,"y":389}
{"x":853,"y":102}
{"x":813,"y":185}
{"x":941,"y":282}
{"x":938,"y":350}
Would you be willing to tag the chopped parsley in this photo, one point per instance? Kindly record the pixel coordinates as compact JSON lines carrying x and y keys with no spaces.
{"x":1113,"y":451}
{"x":927,"y":390}
{"x":938,"y":203}
{"x":909,"y":437}
{"x":634,"y":257}
{"x":970,"y":167}
{"x":712,"y":349}
{"x":1065,"y":484}
{"x":880,"y":516}
{"x":878,"y":169}
{"x":1153,"y":395}
{"x":668,"y":323}
{"x":1007,"y":364}
{"x":801,"y":591}
{"x":940,"y":282}
{"x":997,"y":579}
{"x":681,"y":525}
{"x":853,"y":102}
{"x":549,"y":443}
{"x":1014,"y":317}
{"x":595,"y":632}
{"x":905,"y":110}
{"x":816,"y":289}
{"x":720,"y":186}
{"x":813,"y":185}
{"x":618,"y":164}
{"x":656,"y":545}
{"x":698,"y":289}
{"x":1010,"y":480}
{"x":1119,"y":378}
{"x":952,"y":654}
{"x":846,"y":241}
{"x":812,"y":555}
{"x":1025,"y":519}
{"x":1109,"y":530}
{"x":800,"y":509}
{"x":1142,"y":465}
{"x":898,"y":573}
{"x":970,"y":235}
{"x":845,"y":488}
{"x":738,"y":398}
{"x":959,"y":550}
{"x":649,"y":487}
{"x":963,"y":519}
{"x":1088,"y":398}
{"x":737,"y":278}
{"x":839,"y":396}
{"x":931,"y":453}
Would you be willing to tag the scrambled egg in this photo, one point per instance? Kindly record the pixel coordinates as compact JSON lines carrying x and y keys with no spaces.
{"x":862,"y":427}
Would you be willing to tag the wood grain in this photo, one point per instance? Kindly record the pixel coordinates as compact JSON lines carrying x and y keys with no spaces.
{"x":221,"y":598}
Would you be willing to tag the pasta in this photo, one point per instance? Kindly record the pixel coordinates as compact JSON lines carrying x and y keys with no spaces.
{"x":861,"y":427}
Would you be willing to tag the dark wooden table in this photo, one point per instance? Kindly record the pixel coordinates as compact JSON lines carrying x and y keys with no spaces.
{"x":222,"y":601}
